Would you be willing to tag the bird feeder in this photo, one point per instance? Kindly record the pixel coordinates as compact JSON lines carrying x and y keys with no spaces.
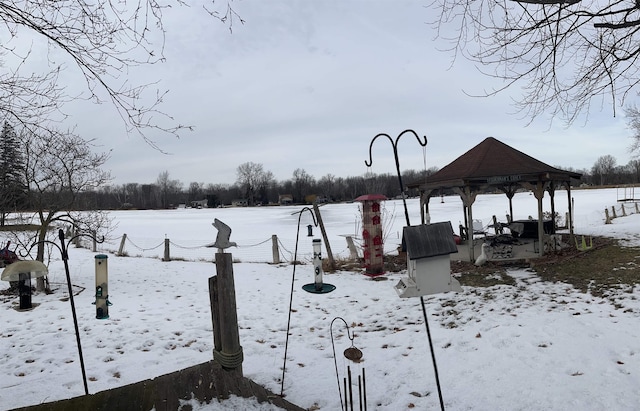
{"x":102,"y":287}
{"x":372,"y":243}
{"x":428,"y":263}
{"x":23,"y":271}
{"x":318,"y":287}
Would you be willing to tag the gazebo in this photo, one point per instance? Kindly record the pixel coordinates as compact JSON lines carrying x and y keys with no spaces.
{"x":490,"y":166}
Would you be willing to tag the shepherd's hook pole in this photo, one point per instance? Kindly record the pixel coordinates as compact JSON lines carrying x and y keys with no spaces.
{"x":65,"y":258}
{"x":293,"y":278}
{"x":394,"y":144}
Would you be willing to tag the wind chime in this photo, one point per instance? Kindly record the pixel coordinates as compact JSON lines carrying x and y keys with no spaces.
{"x":354,"y":355}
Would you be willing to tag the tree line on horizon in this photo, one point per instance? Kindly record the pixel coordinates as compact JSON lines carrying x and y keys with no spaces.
{"x":256,"y":186}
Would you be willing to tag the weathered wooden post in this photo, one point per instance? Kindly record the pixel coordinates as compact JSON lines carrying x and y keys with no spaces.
{"x":353,"y":251}
{"x":607,"y":219}
{"x":230,"y":355}
{"x":227,"y":350}
{"x":316,"y":210}
{"x":167,"y":256}
{"x":624,"y":212}
{"x":275,"y":251}
{"x":613,"y":211}
{"x":121,"y":248}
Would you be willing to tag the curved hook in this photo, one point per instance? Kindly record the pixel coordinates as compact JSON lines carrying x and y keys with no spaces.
{"x":415,"y":134}
{"x":351,"y":336}
{"x":394,"y":144}
{"x":63,"y":247}
{"x":313,"y":216}
{"x":368,"y":164}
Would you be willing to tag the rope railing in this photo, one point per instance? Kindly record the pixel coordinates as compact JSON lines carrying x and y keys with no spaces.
{"x":623,"y":210}
{"x":273,"y":250}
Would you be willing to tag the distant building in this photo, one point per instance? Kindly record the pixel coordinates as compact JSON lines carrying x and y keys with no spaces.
{"x":200,"y":203}
{"x":241,"y":202}
{"x":285,"y":199}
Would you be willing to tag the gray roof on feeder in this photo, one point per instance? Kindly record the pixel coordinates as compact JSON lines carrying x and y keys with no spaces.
{"x":428,"y":240}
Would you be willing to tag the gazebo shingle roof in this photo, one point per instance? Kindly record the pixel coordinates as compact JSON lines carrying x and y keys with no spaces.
{"x":492,"y":162}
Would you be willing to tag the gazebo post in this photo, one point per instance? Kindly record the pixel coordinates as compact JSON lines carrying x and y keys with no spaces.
{"x":552,"y":192}
{"x":538,"y":192}
{"x":468,"y":197}
{"x":570,"y":202}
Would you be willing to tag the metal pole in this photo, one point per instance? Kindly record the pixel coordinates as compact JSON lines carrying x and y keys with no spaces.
{"x":406,"y":214}
{"x":65,"y":258}
{"x":293,"y":279}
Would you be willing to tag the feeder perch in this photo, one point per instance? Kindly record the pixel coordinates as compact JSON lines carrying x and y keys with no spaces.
{"x":428,"y":262}
{"x":24,"y":271}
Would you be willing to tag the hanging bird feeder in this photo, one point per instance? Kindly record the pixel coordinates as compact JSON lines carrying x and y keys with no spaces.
{"x":24,"y":271}
{"x":318,"y":287}
{"x":372,"y":235}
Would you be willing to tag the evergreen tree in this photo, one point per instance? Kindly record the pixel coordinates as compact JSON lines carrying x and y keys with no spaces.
{"x":12,"y":186}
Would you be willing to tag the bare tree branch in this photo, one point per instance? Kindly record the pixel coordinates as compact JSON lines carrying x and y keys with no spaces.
{"x":103,"y":40}
{"x":564,"y":55}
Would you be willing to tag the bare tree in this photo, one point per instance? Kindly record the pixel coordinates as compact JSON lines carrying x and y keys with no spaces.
{"x":101,"y":39}
{"x":169,"y":189}
{"x":604,"y":167}
{"x":59,"y":167}
{"x":302,"y":183}
{"x":250,"y":176}
{"x":563,"y":54}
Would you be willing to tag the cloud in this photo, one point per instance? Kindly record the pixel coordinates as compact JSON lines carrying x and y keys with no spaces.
{"x":309,"y":84}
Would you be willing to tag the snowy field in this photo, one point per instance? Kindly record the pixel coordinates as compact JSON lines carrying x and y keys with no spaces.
{"x":532,"y":346}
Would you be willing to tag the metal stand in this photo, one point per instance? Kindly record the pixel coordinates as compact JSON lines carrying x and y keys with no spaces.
{"x":394,"y":144}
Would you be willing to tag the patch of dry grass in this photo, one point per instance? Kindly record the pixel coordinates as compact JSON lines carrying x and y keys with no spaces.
{"x":600,"y":270}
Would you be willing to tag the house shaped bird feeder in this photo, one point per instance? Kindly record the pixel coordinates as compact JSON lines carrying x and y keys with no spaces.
{"x":428,"y":263}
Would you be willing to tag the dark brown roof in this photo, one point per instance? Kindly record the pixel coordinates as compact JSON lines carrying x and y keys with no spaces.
{"x":428,"y":240}
{"x":493,"y":163}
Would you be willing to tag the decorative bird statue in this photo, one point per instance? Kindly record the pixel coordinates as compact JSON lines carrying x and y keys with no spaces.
{"x":222,"y":239}
{"x":483,"y":257}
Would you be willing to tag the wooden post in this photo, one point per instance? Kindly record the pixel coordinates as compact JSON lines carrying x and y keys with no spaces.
{"x":167,"y":256}
{"x":607,"y":219}
{"x":613,"y":212}
{"x":230,"y":355}
{"x":316,"y":210}
{"x":353,"y":251}
{"x":624,"y":212}
{"x":275,"y":251}
{"x":215,"y":312}
{"x":497,"y":228}
{"x":637,"y":211}
{"x":122,"y":241}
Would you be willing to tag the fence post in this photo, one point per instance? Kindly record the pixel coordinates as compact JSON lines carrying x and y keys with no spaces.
{"x":613,"y":212}
{"x":230,"y":355}
{"x":637,"y":211}
{"x":352,"y":248}
{"x":607,"y":219}
{"x":121,"y":248}
{"x":274,"y":249}
{"x":316,"y":210}
{"x":167,"y":256}
{"x":624,"y":212}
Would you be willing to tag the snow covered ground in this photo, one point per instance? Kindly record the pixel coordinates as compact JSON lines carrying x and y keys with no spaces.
{"x":532,"y":346}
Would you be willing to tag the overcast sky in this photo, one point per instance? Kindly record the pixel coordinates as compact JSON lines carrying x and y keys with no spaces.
{"x":308,"y":84}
